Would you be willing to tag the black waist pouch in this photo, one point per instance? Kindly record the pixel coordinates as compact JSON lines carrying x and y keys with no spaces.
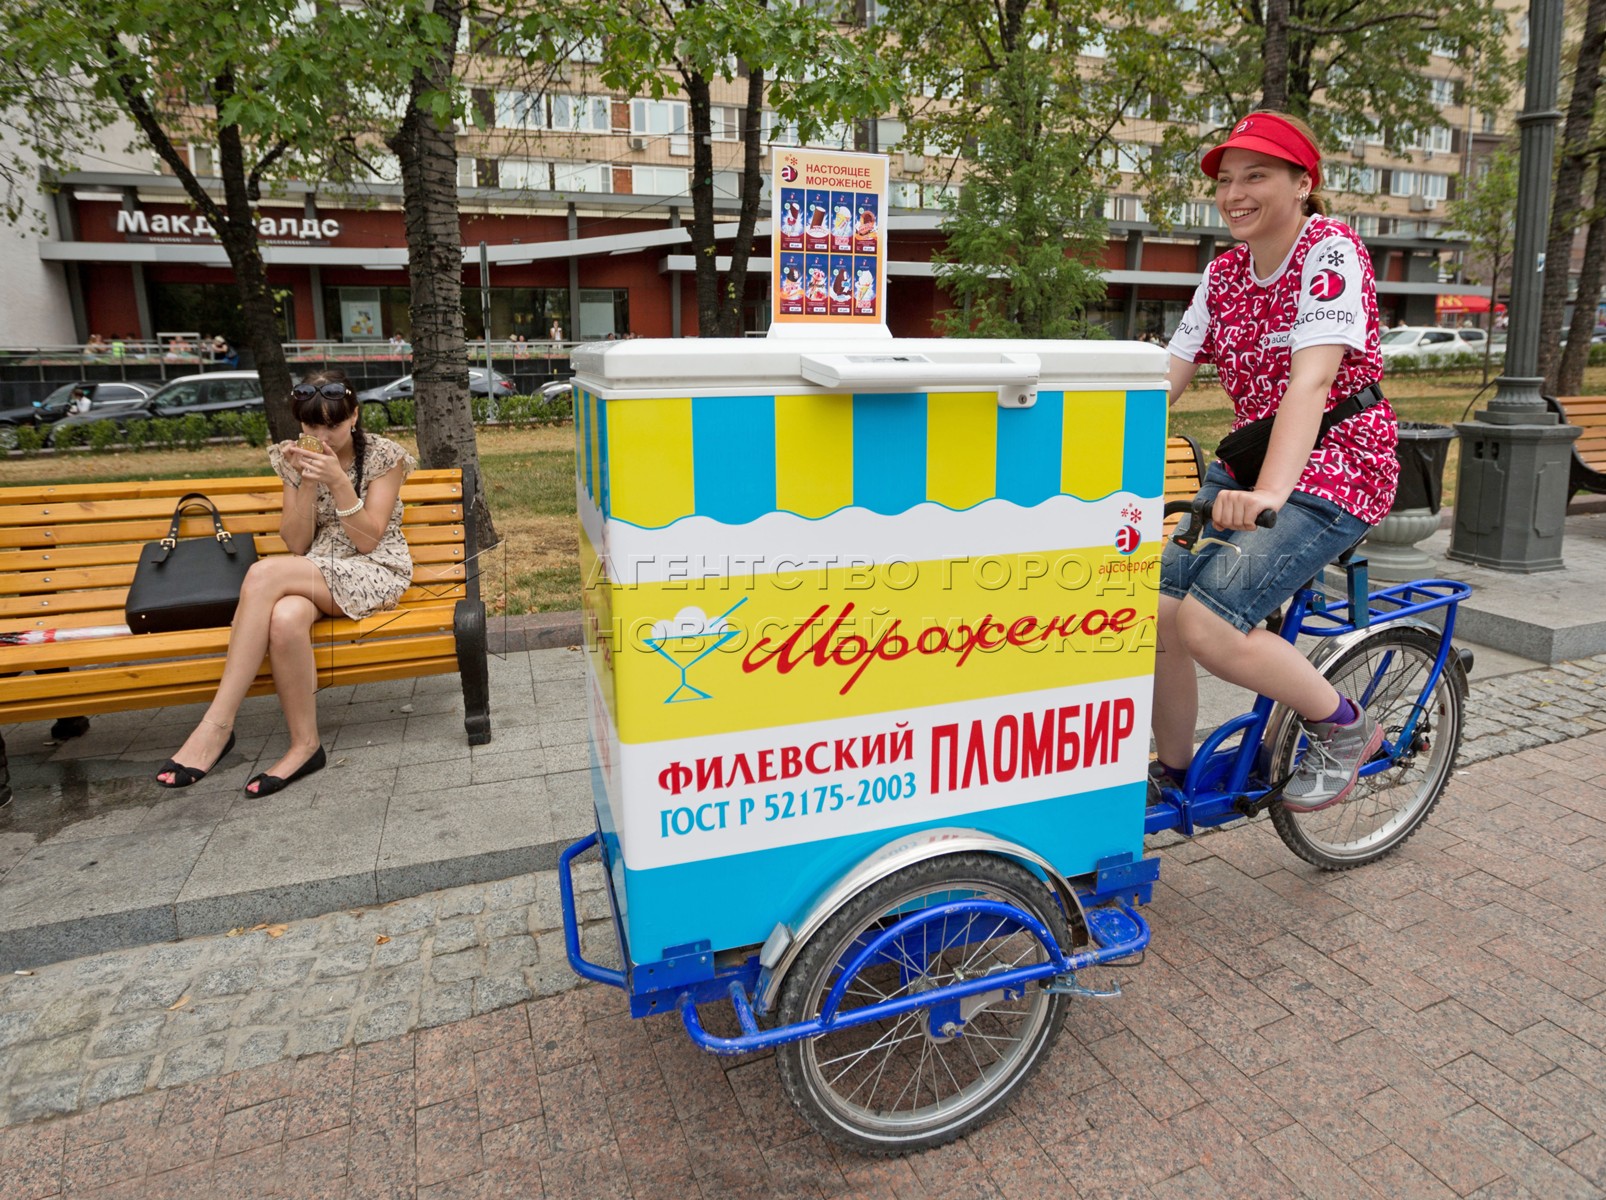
{"x":1244,"y":450}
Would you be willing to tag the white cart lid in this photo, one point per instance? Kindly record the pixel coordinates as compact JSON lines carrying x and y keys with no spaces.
{"x":644,"y":367}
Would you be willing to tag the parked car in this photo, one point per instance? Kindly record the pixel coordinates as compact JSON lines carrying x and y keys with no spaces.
{"x":208,"y":394}
{"x":59,"y":403}
{"x":1425,"y":343}
{"x":402,"y":389}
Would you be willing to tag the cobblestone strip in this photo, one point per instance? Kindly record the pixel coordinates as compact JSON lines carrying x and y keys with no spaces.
{"x":1533,"y":708}
{"x":77,"y":1034}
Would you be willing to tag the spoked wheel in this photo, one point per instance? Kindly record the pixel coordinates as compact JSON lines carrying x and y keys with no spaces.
{"x":1387,"y":674}
{"x":920,"y":1080}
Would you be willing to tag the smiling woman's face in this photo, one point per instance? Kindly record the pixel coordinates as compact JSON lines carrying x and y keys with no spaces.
{"x":1259,"y":195}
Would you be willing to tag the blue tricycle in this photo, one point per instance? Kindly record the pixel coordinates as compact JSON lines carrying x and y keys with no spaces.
{"x":919,"y":991}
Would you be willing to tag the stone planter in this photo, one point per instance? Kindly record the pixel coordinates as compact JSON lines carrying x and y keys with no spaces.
{"x":1391,"y":546}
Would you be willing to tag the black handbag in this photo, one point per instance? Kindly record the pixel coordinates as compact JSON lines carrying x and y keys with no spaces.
{"x":193,"y":583}
{"x":1244,"y":450}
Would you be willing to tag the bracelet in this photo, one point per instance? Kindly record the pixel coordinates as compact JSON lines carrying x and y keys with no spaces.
{"x":352,"y":511}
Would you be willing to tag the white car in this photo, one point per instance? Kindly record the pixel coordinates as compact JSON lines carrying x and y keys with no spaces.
{"x":1424,"y":343}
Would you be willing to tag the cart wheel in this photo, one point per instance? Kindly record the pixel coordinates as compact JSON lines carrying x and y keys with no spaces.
{"x":916,"y":1081}
{"x":1386,"y":672}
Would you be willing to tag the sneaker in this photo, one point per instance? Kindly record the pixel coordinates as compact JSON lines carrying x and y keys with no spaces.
{"x":1332,"y":763}
{"x":1160,"y":778}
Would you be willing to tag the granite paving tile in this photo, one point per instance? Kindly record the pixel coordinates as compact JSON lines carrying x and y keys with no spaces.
{"x":448,"y":1140}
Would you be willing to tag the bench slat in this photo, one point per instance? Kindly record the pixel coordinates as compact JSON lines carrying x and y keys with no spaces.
{"x":106,"y":607}
{"x":150,"y":531}
{"x":58,"y":580}
{"x":108,"y":553}
{"x":397,"y":623}
{"x":202,"y":692}
{"x":60,"y":512}
{"x":133,"y":677}
{"x":174,"y":488}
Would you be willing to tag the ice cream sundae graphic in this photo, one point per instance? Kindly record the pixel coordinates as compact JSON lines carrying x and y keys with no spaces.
{"x":688,"y":638}
{"x":864,"y":292}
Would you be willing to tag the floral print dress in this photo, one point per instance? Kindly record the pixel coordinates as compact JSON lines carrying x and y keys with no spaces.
{"x":362,"y":584}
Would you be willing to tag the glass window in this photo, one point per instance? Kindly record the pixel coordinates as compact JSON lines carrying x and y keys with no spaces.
{"x":467,"y":172}
{"x":1472,"y":335}
{"x":660,"y":181}
{"x":582,"y":177}
{"x":778,"y":132}
{"x":1441,"y":92}
{"x":1404,"y":183}
{"x":180,"y":395}
{"x":520,"y":110}
{"x":904,"y":195}
{"x":527,"y":173}
{"x":661,"y":118}
{"x":582,"y":114}
{"x":1436,"y":187}
{"x":203,"y":159}
{"x":1437,"y":337}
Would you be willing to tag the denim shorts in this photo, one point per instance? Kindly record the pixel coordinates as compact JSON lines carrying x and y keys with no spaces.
{"x":1245,"y":588}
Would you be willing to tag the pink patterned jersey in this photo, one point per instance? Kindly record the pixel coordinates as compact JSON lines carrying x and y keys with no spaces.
{"x":1322,"y":294}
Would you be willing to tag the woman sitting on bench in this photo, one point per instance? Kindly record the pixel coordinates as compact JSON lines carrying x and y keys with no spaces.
{"x":348,"y":557}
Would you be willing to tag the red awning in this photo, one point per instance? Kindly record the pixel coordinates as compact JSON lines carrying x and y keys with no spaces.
{"x":1461,"y":304}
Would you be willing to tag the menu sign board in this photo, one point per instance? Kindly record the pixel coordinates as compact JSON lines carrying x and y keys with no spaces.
{"x":829,"y":253}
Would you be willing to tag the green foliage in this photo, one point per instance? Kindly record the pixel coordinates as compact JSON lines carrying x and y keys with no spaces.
{"x":66,"y":436}
{"x":137,"y":433}
{"x":163,"y":432}
{"x":404,"y":413}
{"x":254,"y":428}
{"x":227,"y":424}
{"x":29,"y":440}
{"x":103,"y":435}
{"x":1363,"y":69}
{"x":374,"y":419}
{"x":193,"y":431}
{"x":480,"y":408}
{"x":1016,"y":94}
{"x":1597,"y":354}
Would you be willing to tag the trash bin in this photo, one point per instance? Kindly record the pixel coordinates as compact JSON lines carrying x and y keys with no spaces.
{"x":1423,"y":449}
{"x":837,"y":591}
{"x":1391,"y":544}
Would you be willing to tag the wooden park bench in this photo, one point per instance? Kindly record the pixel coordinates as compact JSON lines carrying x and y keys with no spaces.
{"x":1589,"y":451}
{"x":67,"y":555}
{"x":1184,"y":473}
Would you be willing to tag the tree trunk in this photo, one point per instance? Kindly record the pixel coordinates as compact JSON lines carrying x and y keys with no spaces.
{"x":752,"y":189}
{"x":1274,"y":65}
{"x":1570,"y":375}
{"x":427,"y":152}
{"x":1564,"y":207}
{"x":236,"y":226}
{"x":705,"y":253}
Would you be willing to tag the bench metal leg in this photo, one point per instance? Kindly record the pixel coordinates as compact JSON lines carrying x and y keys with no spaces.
{"x":5,"y":775}
{"x":468,"y":626}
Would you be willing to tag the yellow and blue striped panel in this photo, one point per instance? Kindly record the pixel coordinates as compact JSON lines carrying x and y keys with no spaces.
{"x":734,"y":458}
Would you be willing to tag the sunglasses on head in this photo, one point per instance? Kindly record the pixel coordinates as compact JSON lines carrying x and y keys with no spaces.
{"x":329,"y":391}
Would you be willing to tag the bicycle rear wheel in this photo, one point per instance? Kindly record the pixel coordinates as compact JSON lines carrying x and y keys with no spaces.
{"x":1388,"y":673}
{"x":910,"y":1083}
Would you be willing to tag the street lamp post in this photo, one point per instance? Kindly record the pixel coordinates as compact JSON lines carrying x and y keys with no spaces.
{"x":1511,"y":491}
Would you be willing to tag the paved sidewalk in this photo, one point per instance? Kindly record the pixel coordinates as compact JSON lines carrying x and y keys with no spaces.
{"x":1433,"y":1025}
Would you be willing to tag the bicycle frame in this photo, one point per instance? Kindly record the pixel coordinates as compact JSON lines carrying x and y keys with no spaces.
{"x":1221,"y":784}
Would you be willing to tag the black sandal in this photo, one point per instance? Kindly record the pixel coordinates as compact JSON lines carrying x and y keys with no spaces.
{"x":184,"y":776}
{"x":268,"y":784}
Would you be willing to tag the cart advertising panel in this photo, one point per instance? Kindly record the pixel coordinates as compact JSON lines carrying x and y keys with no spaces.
{"x":829,"y":250}
{"x":834,"y":597}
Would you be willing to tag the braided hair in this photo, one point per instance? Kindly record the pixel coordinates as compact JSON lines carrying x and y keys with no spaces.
{"x":319,"y":409}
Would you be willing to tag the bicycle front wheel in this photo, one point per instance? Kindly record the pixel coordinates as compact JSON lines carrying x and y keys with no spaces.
{"x":1388,"y":674}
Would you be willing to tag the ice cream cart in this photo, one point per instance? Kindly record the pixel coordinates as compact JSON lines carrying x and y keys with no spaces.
{"x":870,"y":634}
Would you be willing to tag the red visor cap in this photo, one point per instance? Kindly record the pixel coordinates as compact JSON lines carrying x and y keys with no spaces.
{"x":1272,"y":135}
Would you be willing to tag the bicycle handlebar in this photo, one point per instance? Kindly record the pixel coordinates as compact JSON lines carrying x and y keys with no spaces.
{"x":1187,"y":535}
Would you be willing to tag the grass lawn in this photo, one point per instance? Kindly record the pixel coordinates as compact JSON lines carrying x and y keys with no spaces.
{"x":530,"y":476}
